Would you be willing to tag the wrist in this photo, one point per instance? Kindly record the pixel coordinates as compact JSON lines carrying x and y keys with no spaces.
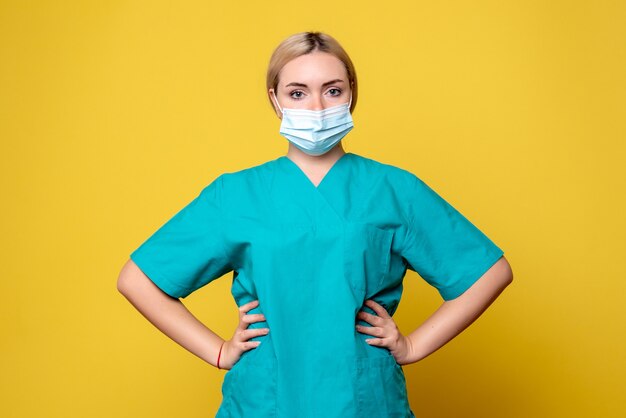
{"x":412,"y":354}
{"x":219,"y":355}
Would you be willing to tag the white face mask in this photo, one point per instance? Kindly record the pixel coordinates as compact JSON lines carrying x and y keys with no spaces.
{"x":316,"y":132}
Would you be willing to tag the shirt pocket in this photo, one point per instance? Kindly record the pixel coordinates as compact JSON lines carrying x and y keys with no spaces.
{"x":367,"y":251}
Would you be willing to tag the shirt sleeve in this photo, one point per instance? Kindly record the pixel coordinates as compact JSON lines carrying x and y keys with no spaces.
{"x":188,"y":251}
{"x":441,"y":245}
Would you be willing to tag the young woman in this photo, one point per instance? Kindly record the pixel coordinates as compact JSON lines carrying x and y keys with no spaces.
{"x":319,"y":241}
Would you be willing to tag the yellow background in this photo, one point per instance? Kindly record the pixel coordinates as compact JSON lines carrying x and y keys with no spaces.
{"x":114,"y":115}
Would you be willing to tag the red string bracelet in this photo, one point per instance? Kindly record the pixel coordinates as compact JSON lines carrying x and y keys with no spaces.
{"x":220,"y":354}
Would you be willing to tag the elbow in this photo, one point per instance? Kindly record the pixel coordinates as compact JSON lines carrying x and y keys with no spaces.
{"x":501,"y":273}
{"x":122,"y":283}
{"x":506,"y":272}
{"x":133,"y":283}
{"x":124,"y":279}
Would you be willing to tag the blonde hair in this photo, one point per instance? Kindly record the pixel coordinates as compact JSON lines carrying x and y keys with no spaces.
{"x":304,"y":43}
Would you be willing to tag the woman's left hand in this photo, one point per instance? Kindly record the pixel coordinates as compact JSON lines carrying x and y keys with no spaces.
{"x":387,"y":332}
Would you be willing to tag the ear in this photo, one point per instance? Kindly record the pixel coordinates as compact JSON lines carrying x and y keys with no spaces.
{"x":271,"y":93}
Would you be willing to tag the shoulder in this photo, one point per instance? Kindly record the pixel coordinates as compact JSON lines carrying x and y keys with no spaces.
{"x":393,"y":174}
{"x":248,"y":176}
{"x":405,"y":188}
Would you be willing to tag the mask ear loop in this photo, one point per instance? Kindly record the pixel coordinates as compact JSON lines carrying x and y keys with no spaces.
{"x":277,"y":104}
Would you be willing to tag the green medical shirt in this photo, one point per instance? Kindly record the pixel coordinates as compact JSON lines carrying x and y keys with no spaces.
{"x":312,"y":256}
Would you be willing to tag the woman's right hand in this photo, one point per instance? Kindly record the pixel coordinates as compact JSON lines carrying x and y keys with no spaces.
{"x":233,"y":348}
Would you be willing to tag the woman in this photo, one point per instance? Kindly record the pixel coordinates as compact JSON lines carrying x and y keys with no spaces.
{"x":319,"y":241}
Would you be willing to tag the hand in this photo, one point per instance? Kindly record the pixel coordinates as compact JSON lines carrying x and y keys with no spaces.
{"x":233,"y":348}
{"x":384,"y":327}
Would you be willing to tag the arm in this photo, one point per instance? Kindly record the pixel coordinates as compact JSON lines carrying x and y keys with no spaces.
{"x":168,"y":314}
{"x":443,"y":247}
{"x":172,"y":318}
{"x":452,"y":317}
{"x":455,"y":315}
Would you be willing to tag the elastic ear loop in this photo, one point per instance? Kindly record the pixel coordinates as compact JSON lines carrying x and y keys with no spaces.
{"x":277,"y":104}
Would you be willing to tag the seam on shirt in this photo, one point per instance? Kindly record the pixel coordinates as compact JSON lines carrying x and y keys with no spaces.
{"x":222,"y":236}
{"x":220,"y":228}
{"x":186,"y":291}
{"x":458,"y":288}
{"x":407,"y":215}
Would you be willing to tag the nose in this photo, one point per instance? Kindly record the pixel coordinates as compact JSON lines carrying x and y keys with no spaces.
{"x":317,"y":103}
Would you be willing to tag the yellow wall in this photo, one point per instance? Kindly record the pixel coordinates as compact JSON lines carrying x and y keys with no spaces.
{"x":113,"y":115}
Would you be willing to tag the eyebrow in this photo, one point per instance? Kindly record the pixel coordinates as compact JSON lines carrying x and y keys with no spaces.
{"x":293,"y":83}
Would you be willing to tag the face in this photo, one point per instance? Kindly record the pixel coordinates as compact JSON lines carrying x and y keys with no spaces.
{"x":312,"y":81}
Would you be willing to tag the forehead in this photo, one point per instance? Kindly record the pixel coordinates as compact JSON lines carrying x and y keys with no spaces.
{"x":314,"y":68}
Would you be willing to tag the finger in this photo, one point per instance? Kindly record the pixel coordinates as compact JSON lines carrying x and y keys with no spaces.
{"x":248,"y":306}
{"x":249,"y":345}
{"x":250,"y":318}
{"x":382,"y":312}
{"x":253,"y":332}
{"x":368,"y":317}
{"x":375,"y":341}
{"x":375,"y":331}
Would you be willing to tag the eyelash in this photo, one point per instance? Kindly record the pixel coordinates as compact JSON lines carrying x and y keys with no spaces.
{"x":300,"y":98}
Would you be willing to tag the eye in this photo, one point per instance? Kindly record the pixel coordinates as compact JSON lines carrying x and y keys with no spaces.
{"x":337,"y":90}
{"x":296,"y":92}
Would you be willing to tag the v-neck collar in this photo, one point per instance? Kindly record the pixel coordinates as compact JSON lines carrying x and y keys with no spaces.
{"x":328,"y":174}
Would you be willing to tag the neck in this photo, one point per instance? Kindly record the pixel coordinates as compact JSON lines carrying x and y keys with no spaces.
{"x":300,"y":157}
